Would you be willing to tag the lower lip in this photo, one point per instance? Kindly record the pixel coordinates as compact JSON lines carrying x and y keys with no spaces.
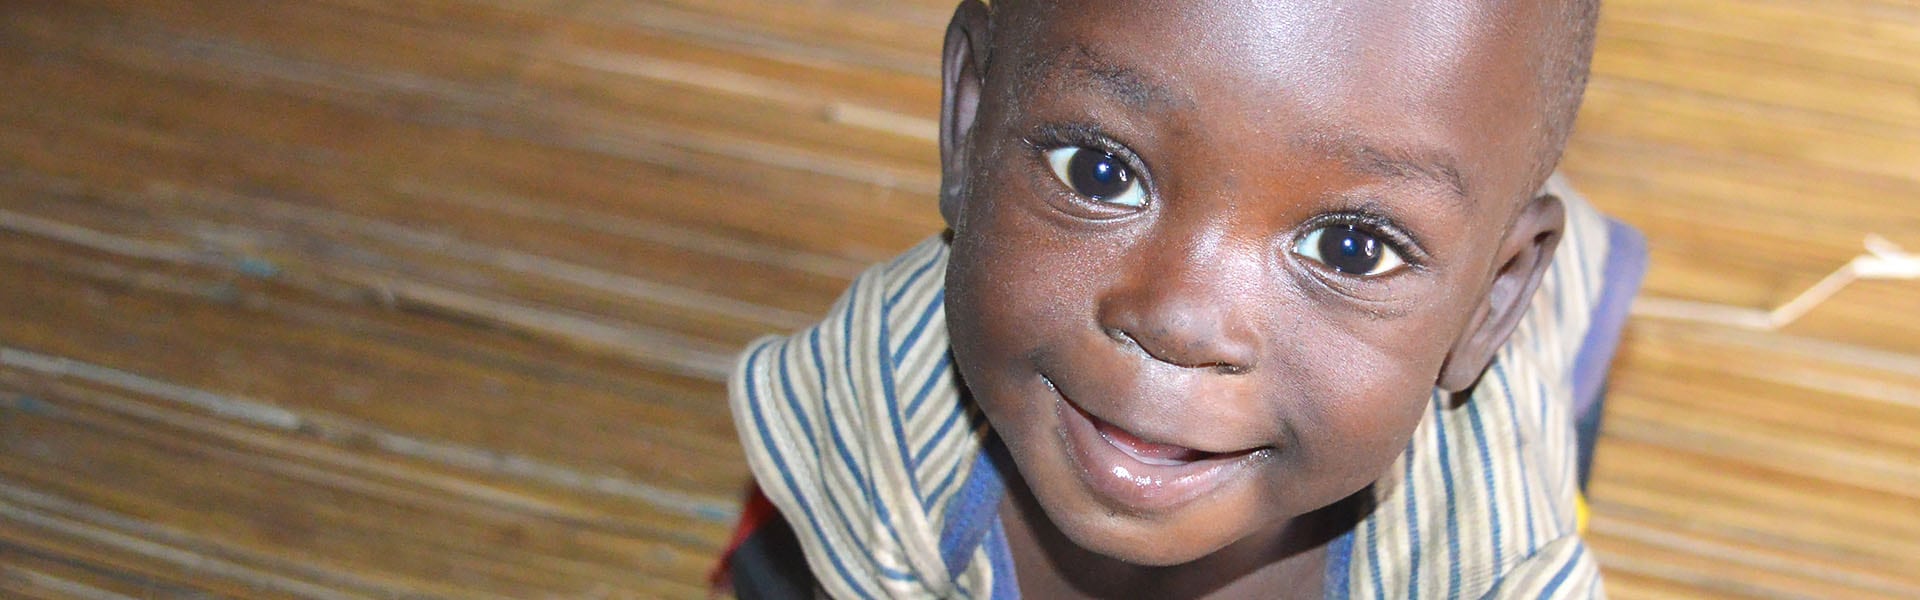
{"x":1138,"y":487}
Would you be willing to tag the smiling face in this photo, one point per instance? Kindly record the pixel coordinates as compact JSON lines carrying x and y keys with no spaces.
{"x":1211,"y":258}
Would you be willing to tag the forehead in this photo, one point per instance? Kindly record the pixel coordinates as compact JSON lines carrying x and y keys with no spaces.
{"x":1403,"y":80}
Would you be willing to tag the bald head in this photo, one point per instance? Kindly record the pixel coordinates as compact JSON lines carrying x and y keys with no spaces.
{"x":1558,"y":50}
{"x":1566,"y":60}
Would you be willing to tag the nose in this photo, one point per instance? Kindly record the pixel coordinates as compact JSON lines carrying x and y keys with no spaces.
{"x":1184,"y":308}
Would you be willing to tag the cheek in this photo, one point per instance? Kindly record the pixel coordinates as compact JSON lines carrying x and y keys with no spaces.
{"x":1016,"y":280}
{"x":1365,"y":399}
{"x":1006,"y":297}
{"x":994,"y":289}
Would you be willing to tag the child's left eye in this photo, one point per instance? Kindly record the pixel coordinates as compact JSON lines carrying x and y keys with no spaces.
{"x":1351,"y":250}
{"x":1097,"y":175}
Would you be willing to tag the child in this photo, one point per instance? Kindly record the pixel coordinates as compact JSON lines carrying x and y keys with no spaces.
{"x":1238,"y":300}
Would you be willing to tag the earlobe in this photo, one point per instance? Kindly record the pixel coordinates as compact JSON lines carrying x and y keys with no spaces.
{"x":1525,"y":253}
{"x":962,"y":71}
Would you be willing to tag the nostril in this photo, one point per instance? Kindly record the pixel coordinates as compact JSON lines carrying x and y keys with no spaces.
{"x":1227,"y":368}
{"x":1217,"y":366}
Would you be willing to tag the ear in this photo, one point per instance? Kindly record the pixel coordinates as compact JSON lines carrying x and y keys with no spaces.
{"x":1525,"y":254}
{"x":962,"y":72}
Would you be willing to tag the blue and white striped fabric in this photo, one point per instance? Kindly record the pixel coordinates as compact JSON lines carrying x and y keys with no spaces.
{"x":859,"y":431}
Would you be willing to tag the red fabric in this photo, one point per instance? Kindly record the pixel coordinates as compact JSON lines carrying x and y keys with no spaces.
{"x":755,"y":511}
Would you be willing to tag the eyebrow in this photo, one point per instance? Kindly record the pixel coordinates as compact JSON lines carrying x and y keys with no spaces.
{"x":1430,"y":167}
{"x":1138,"y":91}
{"x":1128,"y":85}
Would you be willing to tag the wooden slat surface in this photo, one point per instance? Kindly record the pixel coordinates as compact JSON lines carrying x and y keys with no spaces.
{"x":431,"y":298}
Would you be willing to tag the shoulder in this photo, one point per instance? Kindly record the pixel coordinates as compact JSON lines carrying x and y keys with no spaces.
{"x":1563,"y":568}
{"x":855,"y":429}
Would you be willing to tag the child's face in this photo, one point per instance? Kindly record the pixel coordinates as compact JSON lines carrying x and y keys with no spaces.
{"x":1211,"y":258}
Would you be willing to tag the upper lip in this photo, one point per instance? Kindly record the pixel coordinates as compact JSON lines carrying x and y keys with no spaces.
{"x":1220,"y":445}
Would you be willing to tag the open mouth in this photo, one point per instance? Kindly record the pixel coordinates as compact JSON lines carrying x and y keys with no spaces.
{"x":1141,"y":475}
{"x":1151,"y":453}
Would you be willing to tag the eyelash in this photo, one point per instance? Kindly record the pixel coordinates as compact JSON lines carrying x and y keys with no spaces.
{"x":1382,"y":226}
{"x":1054,"y":136}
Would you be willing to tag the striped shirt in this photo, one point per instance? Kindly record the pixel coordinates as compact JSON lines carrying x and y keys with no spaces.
{"x":858,"y":429}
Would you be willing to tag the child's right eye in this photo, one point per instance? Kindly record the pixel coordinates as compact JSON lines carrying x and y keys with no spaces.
{"x":1097,"y":175}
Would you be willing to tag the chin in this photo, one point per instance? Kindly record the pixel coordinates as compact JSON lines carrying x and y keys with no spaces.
{"x":1167,"y":540}
{"x":1153,"y":551}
